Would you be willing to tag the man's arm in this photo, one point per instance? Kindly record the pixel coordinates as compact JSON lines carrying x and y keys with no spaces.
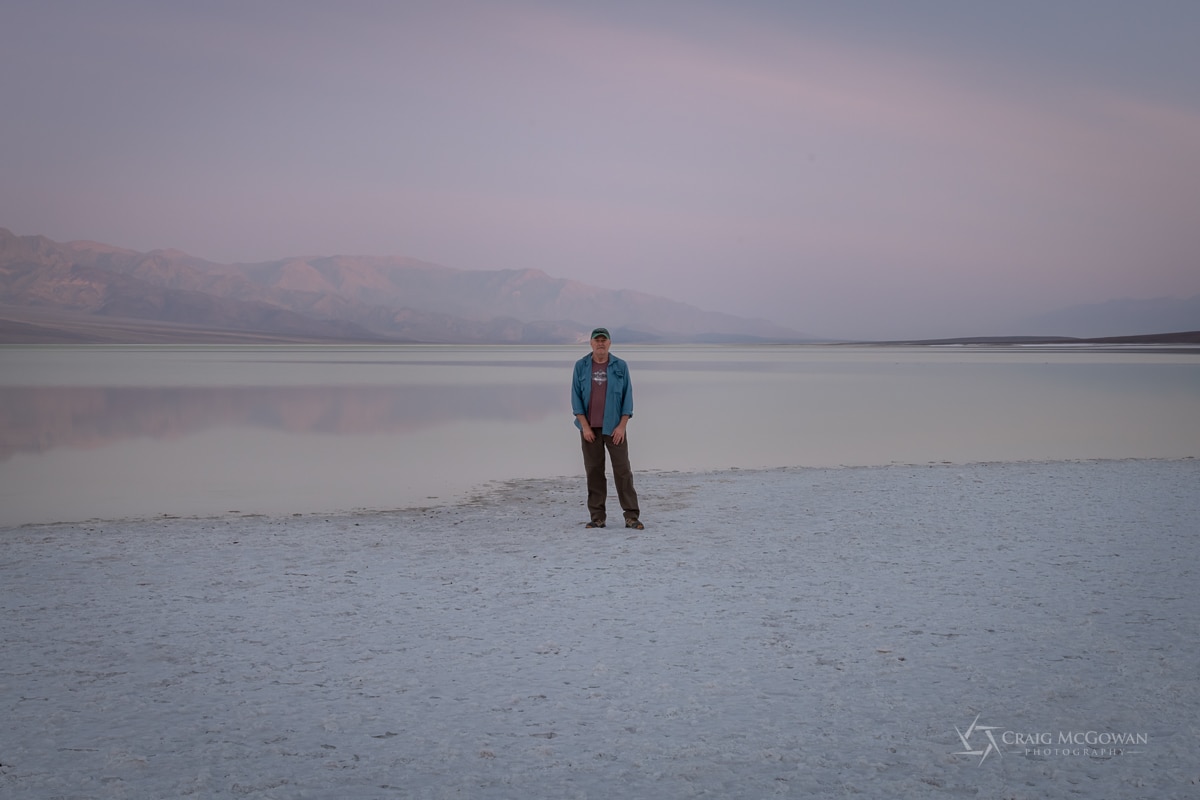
{"x":585,"y":428}
{"x":618,"y":434}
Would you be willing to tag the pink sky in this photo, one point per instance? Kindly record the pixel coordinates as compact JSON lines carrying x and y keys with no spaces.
{"x":935,"y":170}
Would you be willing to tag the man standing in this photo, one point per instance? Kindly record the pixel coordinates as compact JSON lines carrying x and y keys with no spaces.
{"x":602,"y":399}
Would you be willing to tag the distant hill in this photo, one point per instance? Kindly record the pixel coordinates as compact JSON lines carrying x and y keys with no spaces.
{"x":1125,"y":317}
{"x":88,"y":291}
{"x":1172,"y":338}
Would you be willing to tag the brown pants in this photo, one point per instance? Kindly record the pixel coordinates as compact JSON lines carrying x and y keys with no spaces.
{"x":597,"y":483}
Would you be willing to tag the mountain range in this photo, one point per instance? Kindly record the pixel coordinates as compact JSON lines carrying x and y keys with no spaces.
{"x":91,"y":292}
{"x":87,"y":292}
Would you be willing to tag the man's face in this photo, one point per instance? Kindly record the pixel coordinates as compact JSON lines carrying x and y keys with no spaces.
{"x":600,"y":348}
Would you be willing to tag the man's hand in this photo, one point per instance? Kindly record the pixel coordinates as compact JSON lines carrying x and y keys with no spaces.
{"x":618,"y":434}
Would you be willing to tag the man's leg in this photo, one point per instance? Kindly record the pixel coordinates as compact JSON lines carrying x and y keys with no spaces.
{"x":597,"y":483}
{"x":623,"y":477}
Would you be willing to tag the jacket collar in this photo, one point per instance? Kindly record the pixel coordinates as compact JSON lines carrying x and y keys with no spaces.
{"x":611,"y":359}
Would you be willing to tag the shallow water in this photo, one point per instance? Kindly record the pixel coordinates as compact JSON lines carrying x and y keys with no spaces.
{"x":104,"y":432}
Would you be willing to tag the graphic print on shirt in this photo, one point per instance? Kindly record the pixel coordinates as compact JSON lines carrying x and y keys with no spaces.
{"x":596,"y":401}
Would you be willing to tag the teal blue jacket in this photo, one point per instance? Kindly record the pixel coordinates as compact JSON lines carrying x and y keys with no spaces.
{"x":618,"y":396}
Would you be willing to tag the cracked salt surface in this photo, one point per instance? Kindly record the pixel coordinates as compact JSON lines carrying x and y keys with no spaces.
{"x":793,"y":632}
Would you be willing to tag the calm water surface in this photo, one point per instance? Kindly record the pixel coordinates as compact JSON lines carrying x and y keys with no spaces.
{"x":110,"y":432}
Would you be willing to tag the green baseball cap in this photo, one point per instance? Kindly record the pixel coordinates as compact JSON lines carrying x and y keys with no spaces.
{"x":601,"y":332}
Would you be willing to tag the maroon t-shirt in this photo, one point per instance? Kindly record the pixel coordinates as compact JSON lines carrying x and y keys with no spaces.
{"x":599,"y":390}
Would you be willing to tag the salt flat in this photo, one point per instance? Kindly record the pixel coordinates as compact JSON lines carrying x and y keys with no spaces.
{"x":791,"y":632}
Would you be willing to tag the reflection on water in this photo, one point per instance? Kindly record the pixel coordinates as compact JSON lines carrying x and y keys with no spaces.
{"x":38,"y":419}
{"x":110,"y":432}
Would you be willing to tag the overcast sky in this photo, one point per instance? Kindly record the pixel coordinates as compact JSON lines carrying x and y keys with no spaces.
{"x":894,"y":168}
